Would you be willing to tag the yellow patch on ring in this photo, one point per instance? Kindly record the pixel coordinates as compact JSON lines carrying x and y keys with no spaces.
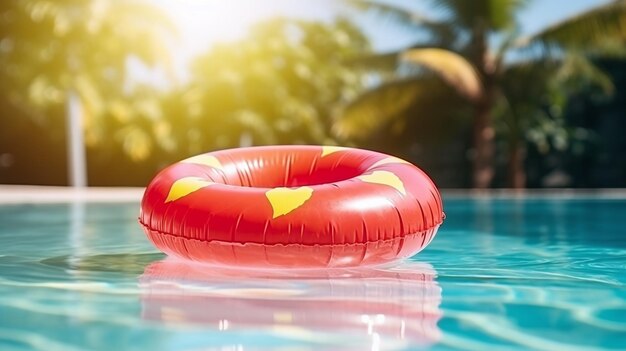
{"x":389,"y":160}
{"x":206,"y":160}
{"x":285,"y":200}
{"x":327,"y":150}
{"x":384,"y":178}
{"x":186,"y":186}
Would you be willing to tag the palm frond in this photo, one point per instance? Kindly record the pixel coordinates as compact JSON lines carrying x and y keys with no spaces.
{"x":552,"y":79}
{"x":388,"y":102}
{"x":502,"y":12}
{"x":385,"y":61}
{"x":395,"y":13}
{"x":585,"y":30}
{"x":451,"y":67}
{"x":577,"y":72}
{"x":495,"y":14}
{"x":508,"y":43}
{"x":436,"y":32}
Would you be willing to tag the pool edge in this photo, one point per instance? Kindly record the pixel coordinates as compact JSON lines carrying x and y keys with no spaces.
{"x":20,"y":194}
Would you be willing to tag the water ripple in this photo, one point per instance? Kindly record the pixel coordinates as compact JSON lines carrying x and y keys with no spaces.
{"x":513,"y":274}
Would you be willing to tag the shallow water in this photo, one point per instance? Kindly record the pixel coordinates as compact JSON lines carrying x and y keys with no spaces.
{"x":502,"y":274}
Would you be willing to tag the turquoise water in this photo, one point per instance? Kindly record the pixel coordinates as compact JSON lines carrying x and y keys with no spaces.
{"x":502,"y":274}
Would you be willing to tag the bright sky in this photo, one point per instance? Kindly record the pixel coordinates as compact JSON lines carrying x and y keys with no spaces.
{"x":203,"y":23}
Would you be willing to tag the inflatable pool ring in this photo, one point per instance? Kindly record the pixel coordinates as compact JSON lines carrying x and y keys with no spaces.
{"x":291,"y":206}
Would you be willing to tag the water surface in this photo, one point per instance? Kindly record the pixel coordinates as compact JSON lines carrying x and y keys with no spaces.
{"x":502,"y":274}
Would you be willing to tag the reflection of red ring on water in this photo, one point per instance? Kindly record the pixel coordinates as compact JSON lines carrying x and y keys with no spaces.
{"x":400,"y":304}
{"x":298,"y":206}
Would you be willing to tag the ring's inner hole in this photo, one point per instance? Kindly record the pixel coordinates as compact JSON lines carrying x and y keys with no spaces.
{"x":290,"y":170}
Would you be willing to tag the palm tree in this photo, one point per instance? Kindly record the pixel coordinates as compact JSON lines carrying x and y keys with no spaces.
{"x":75,"y":52}
{"x":460,"y":51}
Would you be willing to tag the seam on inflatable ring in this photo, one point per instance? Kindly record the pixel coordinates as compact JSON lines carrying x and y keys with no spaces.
{"x":281,"y":244}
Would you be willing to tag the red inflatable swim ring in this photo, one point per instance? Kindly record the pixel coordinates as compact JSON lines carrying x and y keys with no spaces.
{"x":291,"y":206}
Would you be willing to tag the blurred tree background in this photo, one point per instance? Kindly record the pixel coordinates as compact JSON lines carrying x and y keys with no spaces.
{"x":473,"y":103}
{"x":473,"y":63}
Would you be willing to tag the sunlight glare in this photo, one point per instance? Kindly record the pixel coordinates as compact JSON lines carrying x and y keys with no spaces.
{"x":204,"y":23}
{"x":211,"y":21}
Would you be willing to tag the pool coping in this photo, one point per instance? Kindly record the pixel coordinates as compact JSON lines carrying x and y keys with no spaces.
{"x":566,"y":193}
{"x":16,"y":194}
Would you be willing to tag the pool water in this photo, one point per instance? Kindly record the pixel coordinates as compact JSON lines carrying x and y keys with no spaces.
{"x":502,"y":274}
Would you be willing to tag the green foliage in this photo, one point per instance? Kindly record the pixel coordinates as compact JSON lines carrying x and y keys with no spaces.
{"x":54,"y":47}
{"x":278,"y":85}
{"x":451,"y":67}
{"x":525,"y":98}
{"x":375,"y":109}
{"x":537,"y":114}
{"x":597,"y":27}
{"x":494,"y":14}
{"x":385,"y":108}
{"x":297,"y":81}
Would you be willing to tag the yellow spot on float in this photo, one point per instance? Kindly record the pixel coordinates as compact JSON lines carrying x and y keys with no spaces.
{"x":206,"y":160}
{"x":389,"y":160}
{"x":384,"y":178}
{"x":285,"y":200}
{"x":327,"y":150}
{"x":186,"y":186}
